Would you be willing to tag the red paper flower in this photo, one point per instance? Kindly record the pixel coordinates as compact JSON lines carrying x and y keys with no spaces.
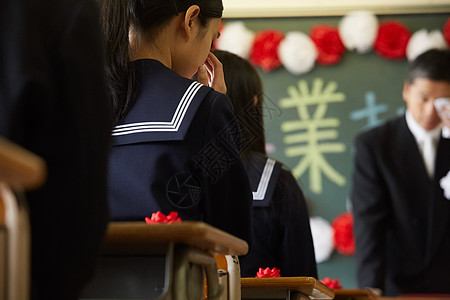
{"x":264,"y":51}
{"x":328,"y":43}
{"x":392,"y":39}
{"x":214,"y":45}
{"x":446,"y":32}
{"x":267,"y":272}
{"x":331,"y":283}
{"x":159,"y":217}
{"x":344,"y":240}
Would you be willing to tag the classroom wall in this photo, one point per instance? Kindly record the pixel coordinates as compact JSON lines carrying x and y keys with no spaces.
{"x":366,"y":89}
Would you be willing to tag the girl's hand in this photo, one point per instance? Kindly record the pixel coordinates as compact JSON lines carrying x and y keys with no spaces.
{"x":211,"y":74}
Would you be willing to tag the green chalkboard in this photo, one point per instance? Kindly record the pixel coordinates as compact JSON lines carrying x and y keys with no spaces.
{"x":364,"y":91}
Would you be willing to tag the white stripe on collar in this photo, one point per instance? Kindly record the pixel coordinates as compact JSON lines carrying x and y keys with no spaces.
{"x":264,"y":181}
{"x":173,"y":125}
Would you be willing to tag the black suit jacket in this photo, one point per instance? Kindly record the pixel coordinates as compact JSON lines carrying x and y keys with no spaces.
{"x":53,"y":102}
{"x":401,"y":217}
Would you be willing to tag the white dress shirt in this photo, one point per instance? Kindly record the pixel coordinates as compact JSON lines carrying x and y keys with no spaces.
{"x":427,"y":141}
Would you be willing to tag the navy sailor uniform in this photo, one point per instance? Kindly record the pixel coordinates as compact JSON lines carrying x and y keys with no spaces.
{"x":177,"y":150}
{"x":281,"y":230}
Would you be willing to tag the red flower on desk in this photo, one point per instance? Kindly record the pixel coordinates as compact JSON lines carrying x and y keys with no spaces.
{"x":159,"y":217}
{"x":267,"y":272}
{"x":331,"y":283}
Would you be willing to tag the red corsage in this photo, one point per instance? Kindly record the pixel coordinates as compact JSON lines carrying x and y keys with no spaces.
{"x":446,"y":32}
{"x":344,"y":240}
{"x":267,"y":272}
{"x":328,"y":43}
{"x":392,"y":39}
{"x":159,"y":217}
{"x":264,"y":51}
{"x":331,"y":283}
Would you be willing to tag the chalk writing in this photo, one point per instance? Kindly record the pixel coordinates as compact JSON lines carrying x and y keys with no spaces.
{"x":308,"y":137}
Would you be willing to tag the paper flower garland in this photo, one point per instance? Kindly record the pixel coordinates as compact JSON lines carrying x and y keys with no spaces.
{"x":328,"y":43}
{"x":447,"y":31}
{"x":265,"y":49}
{"x":445,"y":185}
{"x":237,"y":39}
{"x":344,"y":240}
{"x":297,"y":52}
{"x":322,"y":235}
{"x":325,"y":45}
{"x":422,"y":40}
{"x":358,"y":30}
{"x":331,"y":283}
{"x":267,"y":272}
{"x":159,"y":217}
{"x":392,"y":40}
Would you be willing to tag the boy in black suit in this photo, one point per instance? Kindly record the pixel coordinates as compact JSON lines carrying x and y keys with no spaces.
{"x":402,"y":218}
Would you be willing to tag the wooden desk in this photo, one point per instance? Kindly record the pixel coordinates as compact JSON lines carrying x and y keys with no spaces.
{"x":19,"y":170}
{"x":355,"y":294}
{"x":285,"y":288}
{"x":141,"y":261}
{"x":140,"y":238}
{"x":19,"y":167}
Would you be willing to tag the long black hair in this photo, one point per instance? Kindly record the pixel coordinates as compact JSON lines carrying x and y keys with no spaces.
{"x":146,"y":17}
{"x":243,"y":85}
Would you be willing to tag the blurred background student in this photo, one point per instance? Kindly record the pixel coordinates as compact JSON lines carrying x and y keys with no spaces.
{"x":53,"y":102}
{"x":402,"y":216}
{"x":281,"y":231}
{"x":175,"y":146}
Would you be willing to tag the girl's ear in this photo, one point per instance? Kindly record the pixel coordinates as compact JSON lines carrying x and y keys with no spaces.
{"x":190,"y":17}
{"x":255,"y":100}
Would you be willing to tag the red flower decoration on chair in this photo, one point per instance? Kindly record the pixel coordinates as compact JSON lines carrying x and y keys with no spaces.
{"x":392,"y":39}
{"x":264,"y":52}
{"x":344,"y":240}
{"x":331,"y":283}
{"x":328,"y":43}
{"x":267,"y":272}
{"x":446,"y":32}
{"x":159,"y":217}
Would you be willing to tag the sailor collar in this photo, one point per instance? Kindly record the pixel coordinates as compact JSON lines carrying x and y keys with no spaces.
{"x":263,"y":174}
{"x":165,"y":106}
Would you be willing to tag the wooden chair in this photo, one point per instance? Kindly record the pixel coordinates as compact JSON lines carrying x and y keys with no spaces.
{"x":293,"y":288}
{"x":161,"y":261}
{"x":19,"y":170}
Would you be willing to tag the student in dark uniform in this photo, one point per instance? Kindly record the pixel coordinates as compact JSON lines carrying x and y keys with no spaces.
{"x":175,"y":139}
{"x":53,"y":102}
{"x":281,"y":231}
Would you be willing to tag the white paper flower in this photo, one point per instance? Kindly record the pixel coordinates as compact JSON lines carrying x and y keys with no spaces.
{"x":297,"y":52}
{"x":445,"y":185}
{"x":358,"y":30}
{"x":236,"y":38}
{"x":422,"y":40}
{"x":322,"y":235}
